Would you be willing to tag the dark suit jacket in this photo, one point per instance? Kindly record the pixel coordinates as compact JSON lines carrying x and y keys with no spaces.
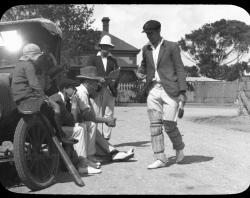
{"x":111,"y":66}
{"x":169,"y":66}
{"x":67,"y":118}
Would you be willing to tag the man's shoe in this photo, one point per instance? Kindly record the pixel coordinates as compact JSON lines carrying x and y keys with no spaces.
{"x":94,"y":159}
{"x":179,"y":156}
{"x":122,"y":156}
{"x":89,"y":170}
{"x":93,"y":164}
{"x":157,"y":164}
{"x":130,"y":150}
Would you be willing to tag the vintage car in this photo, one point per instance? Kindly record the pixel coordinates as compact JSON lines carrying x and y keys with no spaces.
{"x":36,"y":149}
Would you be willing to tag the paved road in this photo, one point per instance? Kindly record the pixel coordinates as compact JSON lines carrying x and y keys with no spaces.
{"x":217,"y":159}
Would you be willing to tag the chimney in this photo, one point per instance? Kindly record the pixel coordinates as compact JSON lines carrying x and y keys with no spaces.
{"x":105,"y":24}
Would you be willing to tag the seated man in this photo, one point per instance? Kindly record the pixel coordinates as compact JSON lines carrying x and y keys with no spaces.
{"x":86,"y":90}
{"x":72,"y":128}
{"x":29,"y":81}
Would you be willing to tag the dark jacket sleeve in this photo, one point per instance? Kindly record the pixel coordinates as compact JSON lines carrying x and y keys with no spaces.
{"x":142,"y":68}
{"x":180,"y":71}
{"x":113,"y":85}
{"x":66,"y":116}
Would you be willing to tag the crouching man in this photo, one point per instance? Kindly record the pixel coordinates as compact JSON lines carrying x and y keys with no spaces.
{"x":71,"y":128}
{"x":85,"y":92}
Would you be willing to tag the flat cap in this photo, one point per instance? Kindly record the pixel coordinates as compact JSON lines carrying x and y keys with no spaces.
{"x":151,"y":25}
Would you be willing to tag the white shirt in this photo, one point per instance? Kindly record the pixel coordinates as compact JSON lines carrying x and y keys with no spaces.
{"x":104,"y":60}
{"x":83,"y":95}
{"x":155,"y":52}
{"x":62,"y":96}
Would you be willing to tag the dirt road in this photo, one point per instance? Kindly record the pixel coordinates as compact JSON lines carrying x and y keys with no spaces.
{"x":217,"y":157}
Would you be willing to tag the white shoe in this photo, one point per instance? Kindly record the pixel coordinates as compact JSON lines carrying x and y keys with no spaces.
{"x":122,"y":156}
{"x":94,"y":159}
{"x":89,"y":170}
{"x":157,"y":164}
{"x":130,"y":150}
{"x":93,"y":164}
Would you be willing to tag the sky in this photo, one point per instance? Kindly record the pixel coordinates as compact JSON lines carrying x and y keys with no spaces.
{"x":127,"y":20}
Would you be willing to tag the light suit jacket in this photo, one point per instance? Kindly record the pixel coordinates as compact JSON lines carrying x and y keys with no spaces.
{"x":169,"y":67}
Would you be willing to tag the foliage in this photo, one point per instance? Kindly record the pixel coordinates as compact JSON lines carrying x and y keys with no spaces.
{"x":74,"y":21}
{"x":234,"y":71}
{"x":217,"y":44}
{"x":193,"y":71}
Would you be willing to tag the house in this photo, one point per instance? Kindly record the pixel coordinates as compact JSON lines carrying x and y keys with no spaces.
{"x":125,"y":54}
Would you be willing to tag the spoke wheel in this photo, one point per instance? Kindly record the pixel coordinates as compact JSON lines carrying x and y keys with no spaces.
{"x":35,"y":155}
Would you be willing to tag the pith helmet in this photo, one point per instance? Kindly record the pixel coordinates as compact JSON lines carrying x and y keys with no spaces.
{"x":106,"y":40}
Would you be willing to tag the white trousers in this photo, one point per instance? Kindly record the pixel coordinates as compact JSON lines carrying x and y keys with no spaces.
{"x":103,"y":105}
{"x":160,"y":101}
{"x":78,"y":132}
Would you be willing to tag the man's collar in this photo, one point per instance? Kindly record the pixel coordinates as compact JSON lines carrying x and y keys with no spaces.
{"x":150,"y":45}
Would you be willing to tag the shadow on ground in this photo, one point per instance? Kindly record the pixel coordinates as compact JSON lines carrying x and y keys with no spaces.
{"x":65,"y":177}
{"x":191,"y":159}
{"x":135,"y":144}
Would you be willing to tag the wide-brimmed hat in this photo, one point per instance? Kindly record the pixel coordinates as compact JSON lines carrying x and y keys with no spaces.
{"x":31,"y":51}
{"x":66,"y":83}
{"x":151,"y":25}
{"x":106,"y":40}
{"x":89,"y":72}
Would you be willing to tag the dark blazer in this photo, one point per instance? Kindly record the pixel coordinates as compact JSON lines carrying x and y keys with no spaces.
{"x":67,"y":118}
{"x":169,"y":66}
{"x":111,"y":66}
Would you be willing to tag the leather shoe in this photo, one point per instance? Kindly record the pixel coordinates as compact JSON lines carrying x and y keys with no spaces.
{"x":89,"y":170}
{"x":179,"y":156}
{"x":157,"y":164}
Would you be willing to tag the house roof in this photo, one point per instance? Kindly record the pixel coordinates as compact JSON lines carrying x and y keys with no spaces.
{"x":119,"y":44}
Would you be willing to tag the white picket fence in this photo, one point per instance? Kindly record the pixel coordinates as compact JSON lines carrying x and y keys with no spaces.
{"x":129,"y":93}
{"x":204,"y":92}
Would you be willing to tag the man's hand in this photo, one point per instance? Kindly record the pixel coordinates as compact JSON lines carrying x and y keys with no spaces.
{"x":74,"y":99}
{"x":140,"y":75}
{"x":182,"y":99}
{"x":111,"y":122}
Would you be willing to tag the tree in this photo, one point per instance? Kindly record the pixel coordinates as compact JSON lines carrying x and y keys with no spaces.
{"x":193,"y":71}
{"x":216,"y":44}
{"x":74,"y":21}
